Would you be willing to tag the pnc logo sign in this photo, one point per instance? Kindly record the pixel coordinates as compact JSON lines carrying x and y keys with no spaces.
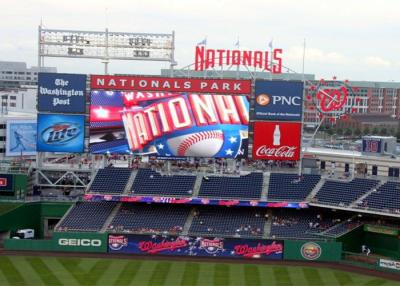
{"x":79,"y":242}
{"x":265,"y":99}
{"x":278,"y":100}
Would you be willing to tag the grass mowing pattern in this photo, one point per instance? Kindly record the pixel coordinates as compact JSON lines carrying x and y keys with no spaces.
{"x":18,"y":270}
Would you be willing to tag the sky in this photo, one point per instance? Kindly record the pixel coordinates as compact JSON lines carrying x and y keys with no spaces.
{"x":349,"y":39}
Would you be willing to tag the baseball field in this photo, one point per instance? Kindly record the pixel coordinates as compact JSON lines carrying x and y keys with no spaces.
{"x":40,"y":270}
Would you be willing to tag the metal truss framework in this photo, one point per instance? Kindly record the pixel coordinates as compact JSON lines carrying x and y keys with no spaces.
{"x":106,"y":46}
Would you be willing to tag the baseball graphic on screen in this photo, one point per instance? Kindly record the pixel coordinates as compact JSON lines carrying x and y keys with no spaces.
{"x":199,"y":144}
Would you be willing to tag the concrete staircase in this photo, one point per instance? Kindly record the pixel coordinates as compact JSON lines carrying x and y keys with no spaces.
{"x":188,"y":222}
{"x":197,"y":185}
{"x":111,"y":217}
{"x":129,"y":184}
{"x":315,"y":190}
{"x":265,"y":186}
{"x":93,"y":175}
{"x":268,"y":225}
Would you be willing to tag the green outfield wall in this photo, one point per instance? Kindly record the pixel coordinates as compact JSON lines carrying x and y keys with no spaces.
{"x":62,"y":241}
{"x":380,"y":240}
{"x":32,"y":215}
{"x":16,"y":186}
{"x":312,"y":250}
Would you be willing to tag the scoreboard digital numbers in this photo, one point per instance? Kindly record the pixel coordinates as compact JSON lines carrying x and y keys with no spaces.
{"x":372,"y":145}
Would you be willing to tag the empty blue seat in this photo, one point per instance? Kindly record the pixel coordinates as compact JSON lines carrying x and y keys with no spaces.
{"x":148,"y":182}
{"x":110,"y":180}
{"x":87,"y":216}
{"x":291,"y":187}
{"x":141,"y":218}
{"x":344,"y":193}
{"x":248,"y":187}
{"x":386,"y":197}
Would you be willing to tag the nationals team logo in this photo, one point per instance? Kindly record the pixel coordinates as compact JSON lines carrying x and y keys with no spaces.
{"x":169,"y":124}
{"x":276,"y":141}
{"x":117,"y":242}
{"x":311,"y":251}
{"x":212,"y":246}
{"x":332,"y":100}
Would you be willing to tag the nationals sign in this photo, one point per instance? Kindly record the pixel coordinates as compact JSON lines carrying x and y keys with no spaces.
{"x":276,"y":141}
{"x":210,"y":58}
{"x":168,"y":84}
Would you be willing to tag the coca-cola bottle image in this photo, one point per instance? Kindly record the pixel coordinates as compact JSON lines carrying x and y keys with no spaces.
{"x":277,"y":136}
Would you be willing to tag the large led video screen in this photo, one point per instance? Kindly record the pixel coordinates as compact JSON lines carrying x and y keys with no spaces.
{"x":169,"y":124}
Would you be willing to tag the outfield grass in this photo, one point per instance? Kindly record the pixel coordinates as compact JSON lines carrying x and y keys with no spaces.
{"x":25,"y":270}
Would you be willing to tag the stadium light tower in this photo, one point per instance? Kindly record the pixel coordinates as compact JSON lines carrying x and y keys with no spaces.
{"x":106,"y":46}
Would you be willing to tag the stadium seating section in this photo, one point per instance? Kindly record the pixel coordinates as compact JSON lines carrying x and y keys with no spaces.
{"x":287,"y":223}
{"x":291,"y":187}
{"x":243,"y":187}
{"x":386,"y":197}
{"x":148,"y":182}
{"x":110,"y":180}
{"x":87,"y":216}
{"x":344,"y":193}
{"x":223,"y":221}
{"x":342,"y":228}
{"x":150,"y":218}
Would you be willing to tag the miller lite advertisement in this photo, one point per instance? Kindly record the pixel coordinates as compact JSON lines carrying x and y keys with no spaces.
{"x":196,"y":246}
{"x":169,"y":124}
{"x":60,"y":92}
{"x":60,"y":133}
{"x":278,"y":100}
{"x":277,"y":141}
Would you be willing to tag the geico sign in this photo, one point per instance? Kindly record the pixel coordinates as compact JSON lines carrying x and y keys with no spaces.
{"x":79,"y":242}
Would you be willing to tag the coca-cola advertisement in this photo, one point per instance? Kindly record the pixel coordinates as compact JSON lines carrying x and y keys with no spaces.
{"x":276,"y":141}
{"x":196,"y":246}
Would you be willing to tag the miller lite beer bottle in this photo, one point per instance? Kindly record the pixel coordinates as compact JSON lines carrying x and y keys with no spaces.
{"x":277,"y":136}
